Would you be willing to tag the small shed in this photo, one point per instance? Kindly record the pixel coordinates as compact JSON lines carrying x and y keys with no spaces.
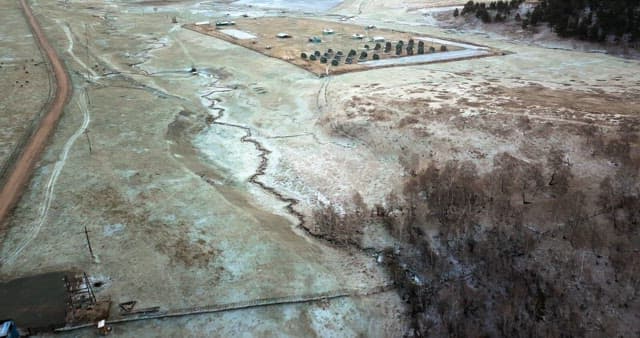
{"x":225,"y":23}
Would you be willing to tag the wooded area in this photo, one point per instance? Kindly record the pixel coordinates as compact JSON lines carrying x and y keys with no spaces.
{"x":593,"y":20}
{"x":522,"y":250}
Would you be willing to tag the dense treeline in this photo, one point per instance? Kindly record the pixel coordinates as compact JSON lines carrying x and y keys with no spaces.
{"x":552,"y":257}
{"x":525,"y":249}
{"x":593,"y":20}
{"x":482,"y":10}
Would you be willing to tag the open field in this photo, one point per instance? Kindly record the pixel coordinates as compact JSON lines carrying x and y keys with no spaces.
{"x":237,"y":244}
{"x":17,"y":179}
{"x":25,"y":84}
{"x":201,"y":189}
{"x":260,"y":34}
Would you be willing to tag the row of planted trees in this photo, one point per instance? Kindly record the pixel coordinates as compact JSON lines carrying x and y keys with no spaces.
{"x":400,"y":48}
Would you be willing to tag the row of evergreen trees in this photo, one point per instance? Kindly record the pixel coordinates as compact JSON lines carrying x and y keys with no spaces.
{"x":593,"y":20}
{"x":481,"y":10}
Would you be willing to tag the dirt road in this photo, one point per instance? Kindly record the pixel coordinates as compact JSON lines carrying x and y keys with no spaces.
{"x":21,"y":171}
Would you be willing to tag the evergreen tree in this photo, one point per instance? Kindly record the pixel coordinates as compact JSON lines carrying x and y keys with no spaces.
{"x":469,"y":7}
{"x":483,"y":15}
{"x":591,"y":19}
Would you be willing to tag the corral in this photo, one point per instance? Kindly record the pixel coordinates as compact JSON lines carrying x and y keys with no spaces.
{"x":323,"y":47}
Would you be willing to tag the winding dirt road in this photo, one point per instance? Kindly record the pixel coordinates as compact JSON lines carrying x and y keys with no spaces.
{"x":21,"y":171}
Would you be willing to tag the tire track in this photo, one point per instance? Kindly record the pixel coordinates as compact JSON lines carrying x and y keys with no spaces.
{"x":67,"y":32}
{"x":51,"y":183}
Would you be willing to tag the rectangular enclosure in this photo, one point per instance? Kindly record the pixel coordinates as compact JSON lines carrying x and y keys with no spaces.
{"x":324,"y":47}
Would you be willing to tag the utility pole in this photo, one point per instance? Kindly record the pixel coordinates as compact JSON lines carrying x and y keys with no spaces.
{"x":86,"y":233}
{"x":86,"y":36}
{"x":86,"y":133}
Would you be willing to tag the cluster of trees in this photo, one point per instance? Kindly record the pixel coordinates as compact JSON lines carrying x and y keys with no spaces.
{"x":342,"y":228}
{"x":593,"y":20}
{"x":521,"y":250}
{"x":502,"y":10}
{"x":498,"y":280}
{"x":525,"y":273}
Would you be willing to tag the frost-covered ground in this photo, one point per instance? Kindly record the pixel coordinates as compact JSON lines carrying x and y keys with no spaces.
{"x":166,"y":192}
{"x":297,"y":5}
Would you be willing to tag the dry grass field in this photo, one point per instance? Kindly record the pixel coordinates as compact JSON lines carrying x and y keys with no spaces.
{"x":250,"y":178}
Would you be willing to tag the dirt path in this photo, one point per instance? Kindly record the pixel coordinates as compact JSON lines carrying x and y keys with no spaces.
{"x":21,"y":171}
